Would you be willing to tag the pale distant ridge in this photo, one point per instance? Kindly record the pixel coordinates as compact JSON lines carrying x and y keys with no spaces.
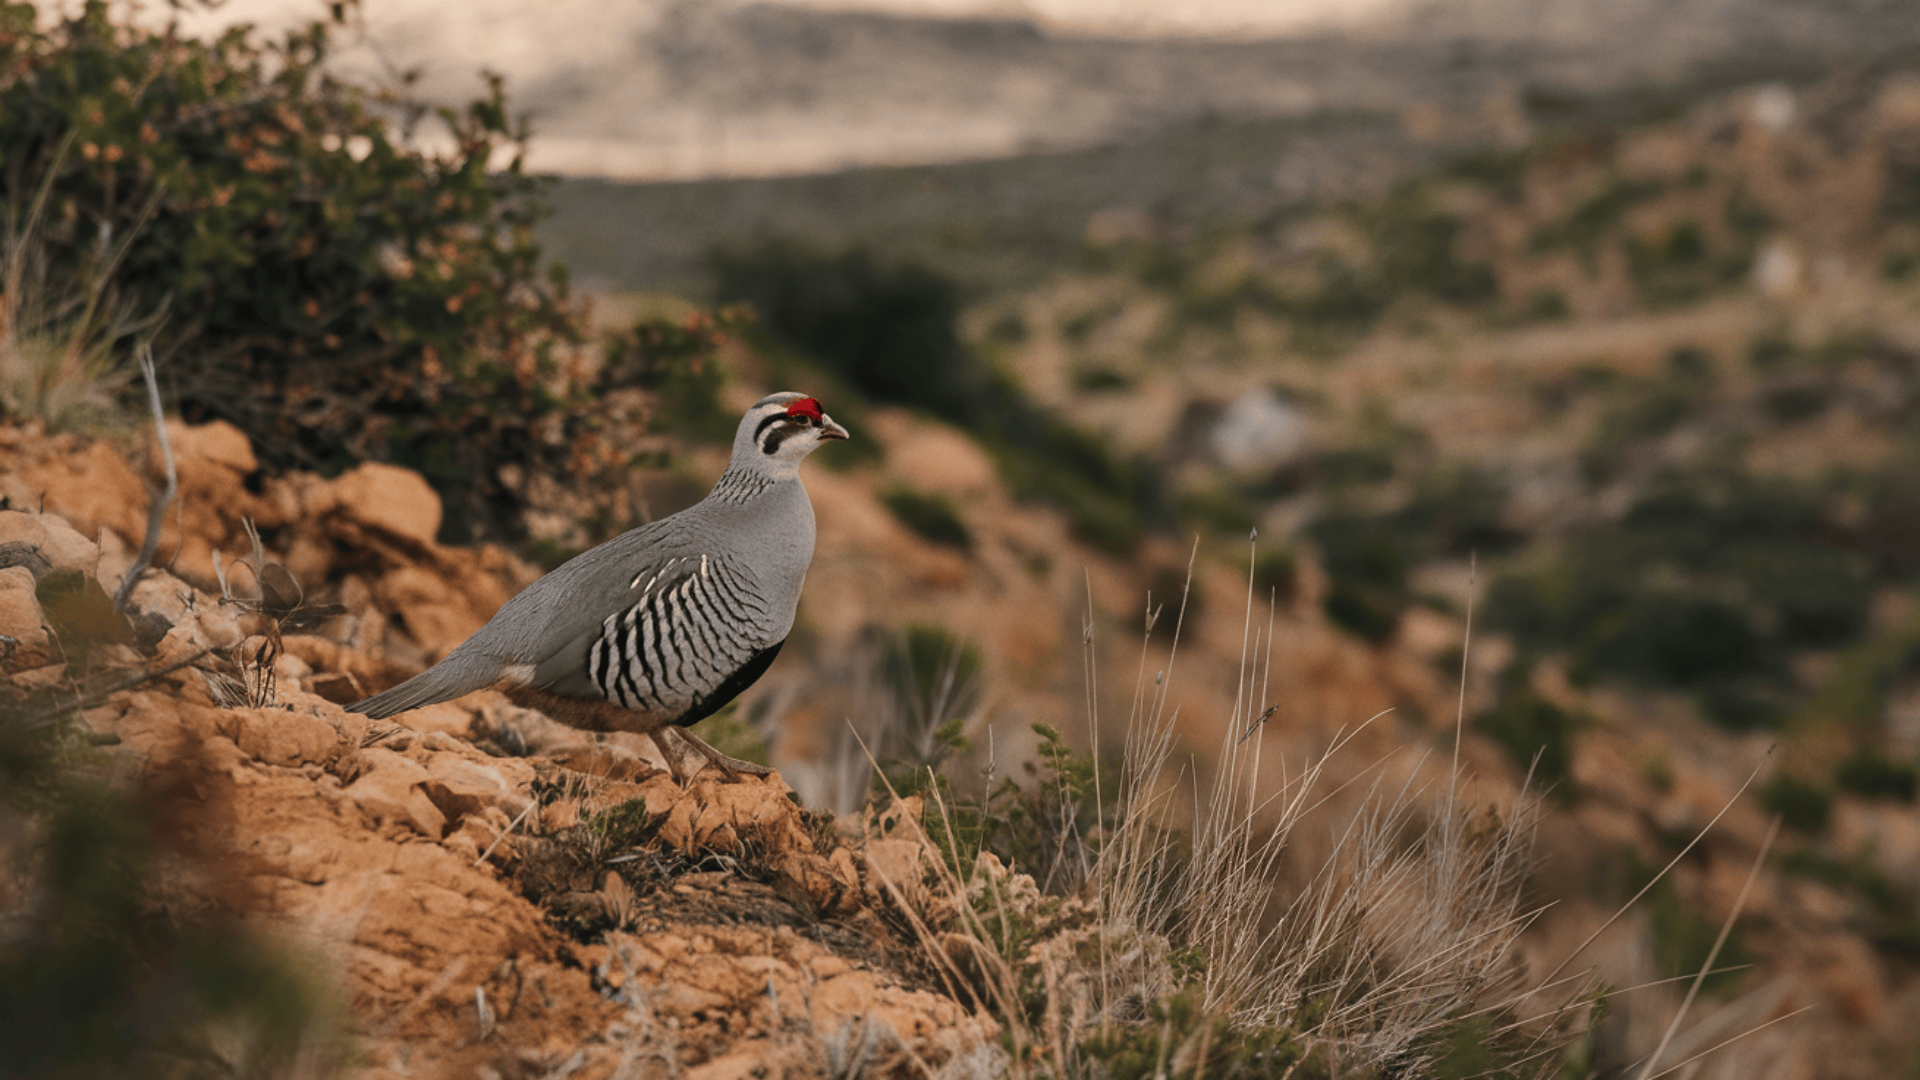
{"x":679,"y":90}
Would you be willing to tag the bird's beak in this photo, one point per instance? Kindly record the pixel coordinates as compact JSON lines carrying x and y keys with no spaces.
{"x":831,"y":430}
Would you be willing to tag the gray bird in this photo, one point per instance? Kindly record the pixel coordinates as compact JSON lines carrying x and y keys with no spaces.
{"x":660,"y":626}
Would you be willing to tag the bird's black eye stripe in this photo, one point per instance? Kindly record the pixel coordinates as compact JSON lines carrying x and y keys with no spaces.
{"x":774,"y":439}
{"x":799,"y":419}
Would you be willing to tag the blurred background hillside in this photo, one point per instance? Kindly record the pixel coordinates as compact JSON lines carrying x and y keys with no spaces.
{"x":1598,"y":319}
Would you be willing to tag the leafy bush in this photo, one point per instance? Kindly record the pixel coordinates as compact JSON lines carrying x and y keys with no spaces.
{"x":1538,"y":735}
{"x":1369,"y":555}
{"x":1548,"y":305}
{"x":1801,"y":805}
{"x":334,"y":291}
{"x":935,"y":674}
{"x":890,"y":331}
{"x":1276,"y":574}
{"x":1588,"y":223}
{"x":930,"y":516}
{"x":673,"y":361}
{"x":1368,"y":567}
{"x":1874,"y":776}
{"x":1705,"y":584}
{"x":1178,"y":1038}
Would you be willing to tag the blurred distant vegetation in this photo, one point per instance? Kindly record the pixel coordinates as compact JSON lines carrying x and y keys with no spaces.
{"x":888,"y":331}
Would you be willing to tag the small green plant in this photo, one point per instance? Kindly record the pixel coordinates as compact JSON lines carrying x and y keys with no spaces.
{"x":730,"y":732}
{"x":1801,"y":805}
{"x":1547,"y":305}
{"x":1872,"y":775}
{"x":1589,"y":223}
{"x":1538,"y":736}
{"x":1180,"y":1039}
{"x":930,"y":516}
{"x":1682,"y":938}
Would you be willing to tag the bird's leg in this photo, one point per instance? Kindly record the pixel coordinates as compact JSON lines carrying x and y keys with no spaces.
{"x":671,"y":753}
{"x":732,"y":766}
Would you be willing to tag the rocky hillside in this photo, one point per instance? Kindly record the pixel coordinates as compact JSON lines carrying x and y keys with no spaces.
{"x":478,"y":889}
{"x":563,"y":909}
{"x":1614,"y":427}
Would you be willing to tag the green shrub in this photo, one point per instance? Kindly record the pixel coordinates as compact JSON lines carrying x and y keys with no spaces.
{"x":1800,"y":805}
{"x":930,"y":516}
{"x":1873,"y":776}
{"x":1743,"y":704}
{"x":1770,"y":351}
{"x":1683,"y":938}
{"x":336,"y":293}
{"x":1537,"y":735}
{"x":1276,"y":574}
{"x":673,"y":360}
{"x":1227,"y":510}
{"x":1179,"y":1039}
{"x":1707,"y":583}
{"x":1690,"y":364}
{"x":1647,"y":415}
{"x":1459,"y":512}
{"x":1548,"y":305}
{"x":889,"y":330}
{"x":1353,"y":466}
{"x":1417,"y":248}
{"x":935,"y":674}
{"x":1588,"y":223}
{"x":1097,"y":380}
{"x":1795,"y":403}
{"x":1893,"y":520}
{"x":1368,"y":570}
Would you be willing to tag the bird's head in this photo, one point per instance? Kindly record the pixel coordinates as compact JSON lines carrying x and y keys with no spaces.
{"x":781,"y":429}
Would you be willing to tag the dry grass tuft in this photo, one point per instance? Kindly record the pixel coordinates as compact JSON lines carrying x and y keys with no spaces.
{"x":1181,"y":955}
{"x":63,"y":355}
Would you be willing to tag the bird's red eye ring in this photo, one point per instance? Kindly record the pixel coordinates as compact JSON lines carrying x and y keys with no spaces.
{"x":806,"y":409}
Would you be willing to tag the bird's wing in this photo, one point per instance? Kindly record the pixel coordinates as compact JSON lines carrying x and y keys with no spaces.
{"x":668,"y":637}
{"x":538,"y":627}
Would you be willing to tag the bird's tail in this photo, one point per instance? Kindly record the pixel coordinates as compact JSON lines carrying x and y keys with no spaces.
{"x":444,"y":681}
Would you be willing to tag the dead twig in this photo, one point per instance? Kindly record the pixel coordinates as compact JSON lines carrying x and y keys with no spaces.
{"x":510,"y":827}
{"x":157,"y":509}
{"x":35,"y":720}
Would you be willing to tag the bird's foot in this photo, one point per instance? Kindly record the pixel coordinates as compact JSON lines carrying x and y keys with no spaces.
{"x":733,"y":767}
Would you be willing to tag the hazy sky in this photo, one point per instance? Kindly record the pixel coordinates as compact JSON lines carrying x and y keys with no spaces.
{"x":1138,"y":16}
{"x":1131,"y":17}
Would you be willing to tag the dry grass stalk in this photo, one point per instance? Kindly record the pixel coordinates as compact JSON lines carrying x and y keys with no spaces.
{"x":59,"y":340}
{"x":1383,"y":951}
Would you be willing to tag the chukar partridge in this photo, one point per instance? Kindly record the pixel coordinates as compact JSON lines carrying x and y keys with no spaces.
{"x":660,"y":626}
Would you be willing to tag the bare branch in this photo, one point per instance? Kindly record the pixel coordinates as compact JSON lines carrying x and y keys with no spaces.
{"x":157,"y":510}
